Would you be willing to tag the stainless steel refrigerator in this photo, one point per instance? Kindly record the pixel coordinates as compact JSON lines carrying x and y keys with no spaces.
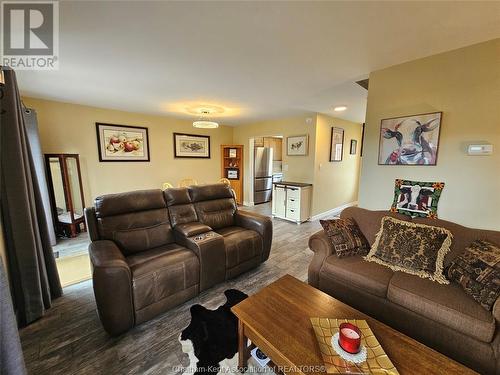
{"x":263,"y":175}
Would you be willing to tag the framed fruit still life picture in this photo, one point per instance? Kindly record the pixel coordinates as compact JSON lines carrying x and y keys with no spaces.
{"x":122,"y":142}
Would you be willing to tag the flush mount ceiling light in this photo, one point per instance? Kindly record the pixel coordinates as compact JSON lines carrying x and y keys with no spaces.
{"x":204,"y":122}
{"x":340,"y":108}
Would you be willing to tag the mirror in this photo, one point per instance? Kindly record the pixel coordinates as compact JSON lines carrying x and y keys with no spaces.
{"x":65,"y":187}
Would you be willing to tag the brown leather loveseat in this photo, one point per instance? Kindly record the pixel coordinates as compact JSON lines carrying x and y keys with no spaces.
{"x":440,"y":316}
{"x":152,"y":250}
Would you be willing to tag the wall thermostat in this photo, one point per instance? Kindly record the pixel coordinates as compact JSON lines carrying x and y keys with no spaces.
{"x":480,"y":150}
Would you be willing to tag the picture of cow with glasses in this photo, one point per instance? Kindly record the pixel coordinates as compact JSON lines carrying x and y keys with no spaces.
{"x":410,"y":140}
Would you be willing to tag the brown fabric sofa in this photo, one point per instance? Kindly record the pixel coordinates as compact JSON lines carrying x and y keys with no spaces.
{"x":152,"y":250}
{"x":440,"y":316}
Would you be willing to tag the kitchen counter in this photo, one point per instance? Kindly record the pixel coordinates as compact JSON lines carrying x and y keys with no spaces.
{"x":289,"y":183}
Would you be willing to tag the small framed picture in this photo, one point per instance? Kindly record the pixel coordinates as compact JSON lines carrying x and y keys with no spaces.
{"x":122,"y":142}
{"x":191,"y":146}
{"x":354,"y":145}
{"x":232,"y":174}
{"x":336,"y":144}
{"x":232,"y":152}
{"x":297,"y":145}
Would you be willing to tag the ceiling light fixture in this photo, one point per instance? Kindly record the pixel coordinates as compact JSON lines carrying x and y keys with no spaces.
{"x":204,"y":122}
{"x":340,"y":108}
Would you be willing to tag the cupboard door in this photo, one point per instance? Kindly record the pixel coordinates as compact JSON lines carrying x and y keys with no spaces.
{"x":278,"y":150}
{"x":279,"y":201}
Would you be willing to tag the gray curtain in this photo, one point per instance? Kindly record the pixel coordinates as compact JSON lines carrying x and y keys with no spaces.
{"x":11,"y":354}
{"x":32,"y":268}
{"x":31,"y":122}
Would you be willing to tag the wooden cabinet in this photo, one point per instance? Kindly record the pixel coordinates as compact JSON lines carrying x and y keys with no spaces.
{"x":272,"y":142}
{"x":277,"y":145}
{"x":258,"y":142}
{"x":292,"y":201}
{"x":232,"y":168}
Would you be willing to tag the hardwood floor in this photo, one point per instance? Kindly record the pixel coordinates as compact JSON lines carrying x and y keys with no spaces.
{"x":70,"y":338}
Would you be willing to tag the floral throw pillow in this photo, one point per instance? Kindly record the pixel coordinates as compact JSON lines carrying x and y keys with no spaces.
{"x":416,"y":249}
{"x":417,"y":199}
{"x":477,"y":271}
{"x":346,"y":237}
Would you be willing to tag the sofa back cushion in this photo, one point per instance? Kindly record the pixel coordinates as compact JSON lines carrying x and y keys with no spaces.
{"x":369,"y":221}
{"x":462,"y":236}
{"x":214,"y":204}
{"x":136,"y":220}
{"x":180,"y":207}
{"x":417,"y":249}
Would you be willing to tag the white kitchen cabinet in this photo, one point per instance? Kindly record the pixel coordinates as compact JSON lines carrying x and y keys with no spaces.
{"x":292,"y":201}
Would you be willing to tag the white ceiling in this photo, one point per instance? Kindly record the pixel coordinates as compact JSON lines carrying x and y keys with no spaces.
{"x":258,"y":60}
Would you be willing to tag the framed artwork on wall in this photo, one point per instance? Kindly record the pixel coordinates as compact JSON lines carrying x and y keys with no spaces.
{"x":354,"y":145}
{"x":297,"y":145}
{"x":410,"y":140}
{"x":232,"y":174}
{"x":122,"y":142}
{"x":191,"y":146}
{"x":336,"y":144}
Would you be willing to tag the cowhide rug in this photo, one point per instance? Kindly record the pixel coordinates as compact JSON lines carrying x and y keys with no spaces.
{"x":211,"y":339}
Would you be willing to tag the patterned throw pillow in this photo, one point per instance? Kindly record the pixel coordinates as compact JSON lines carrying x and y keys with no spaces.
{"x":416,"y":249}
{"x":414,"y":198}
{"x":346,"y":237}
{"x":477,"y":270}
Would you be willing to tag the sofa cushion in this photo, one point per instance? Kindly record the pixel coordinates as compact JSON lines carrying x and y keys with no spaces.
{"x":416,"y":198}
{"x":477,"y":271}
{"x":462,"y":236}
{"x":162,"y":272}
{"x":368,"y":276}
{"x":200,"y":193}
{"x":132,"y":201}
{"x":369,"y":221}
{"x":241,"y":244}
{"x":416,"y":249}
{"x":445,"y":304}
{"x":345,"y":236}
{"x":217,"y":213}
{"x":138,"y":239}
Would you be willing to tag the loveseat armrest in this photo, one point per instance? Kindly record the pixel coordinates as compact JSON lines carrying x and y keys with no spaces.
{"x":259,"y":223}
{"x":191,"y":229}
{"x":210,"y":250}
{"x":322,"y":248}
{"x":112,"y":281}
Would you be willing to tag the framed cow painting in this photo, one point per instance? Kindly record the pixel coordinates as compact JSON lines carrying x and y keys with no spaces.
{"x":410,"y":140}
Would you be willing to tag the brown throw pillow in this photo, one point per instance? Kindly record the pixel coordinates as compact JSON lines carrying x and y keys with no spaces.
{"x":477,"y":270}
{"x":346,"y":237}
{"x":416,"y":249}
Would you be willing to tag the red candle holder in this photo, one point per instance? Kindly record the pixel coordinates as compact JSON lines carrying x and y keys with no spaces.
{"x":349,"y":338}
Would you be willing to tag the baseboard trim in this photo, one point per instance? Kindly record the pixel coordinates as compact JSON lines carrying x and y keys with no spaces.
{"x":334,"y":211}
{"x":248,"y":204}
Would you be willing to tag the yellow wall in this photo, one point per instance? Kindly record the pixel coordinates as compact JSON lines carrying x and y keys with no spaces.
{"x":335,"y":183}
{"x":465,"y":85}
{"x":70,"y":128}
{"x":300,"y":168}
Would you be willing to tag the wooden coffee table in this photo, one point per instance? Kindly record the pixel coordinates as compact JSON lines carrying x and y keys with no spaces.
{"x":277,"y":320}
